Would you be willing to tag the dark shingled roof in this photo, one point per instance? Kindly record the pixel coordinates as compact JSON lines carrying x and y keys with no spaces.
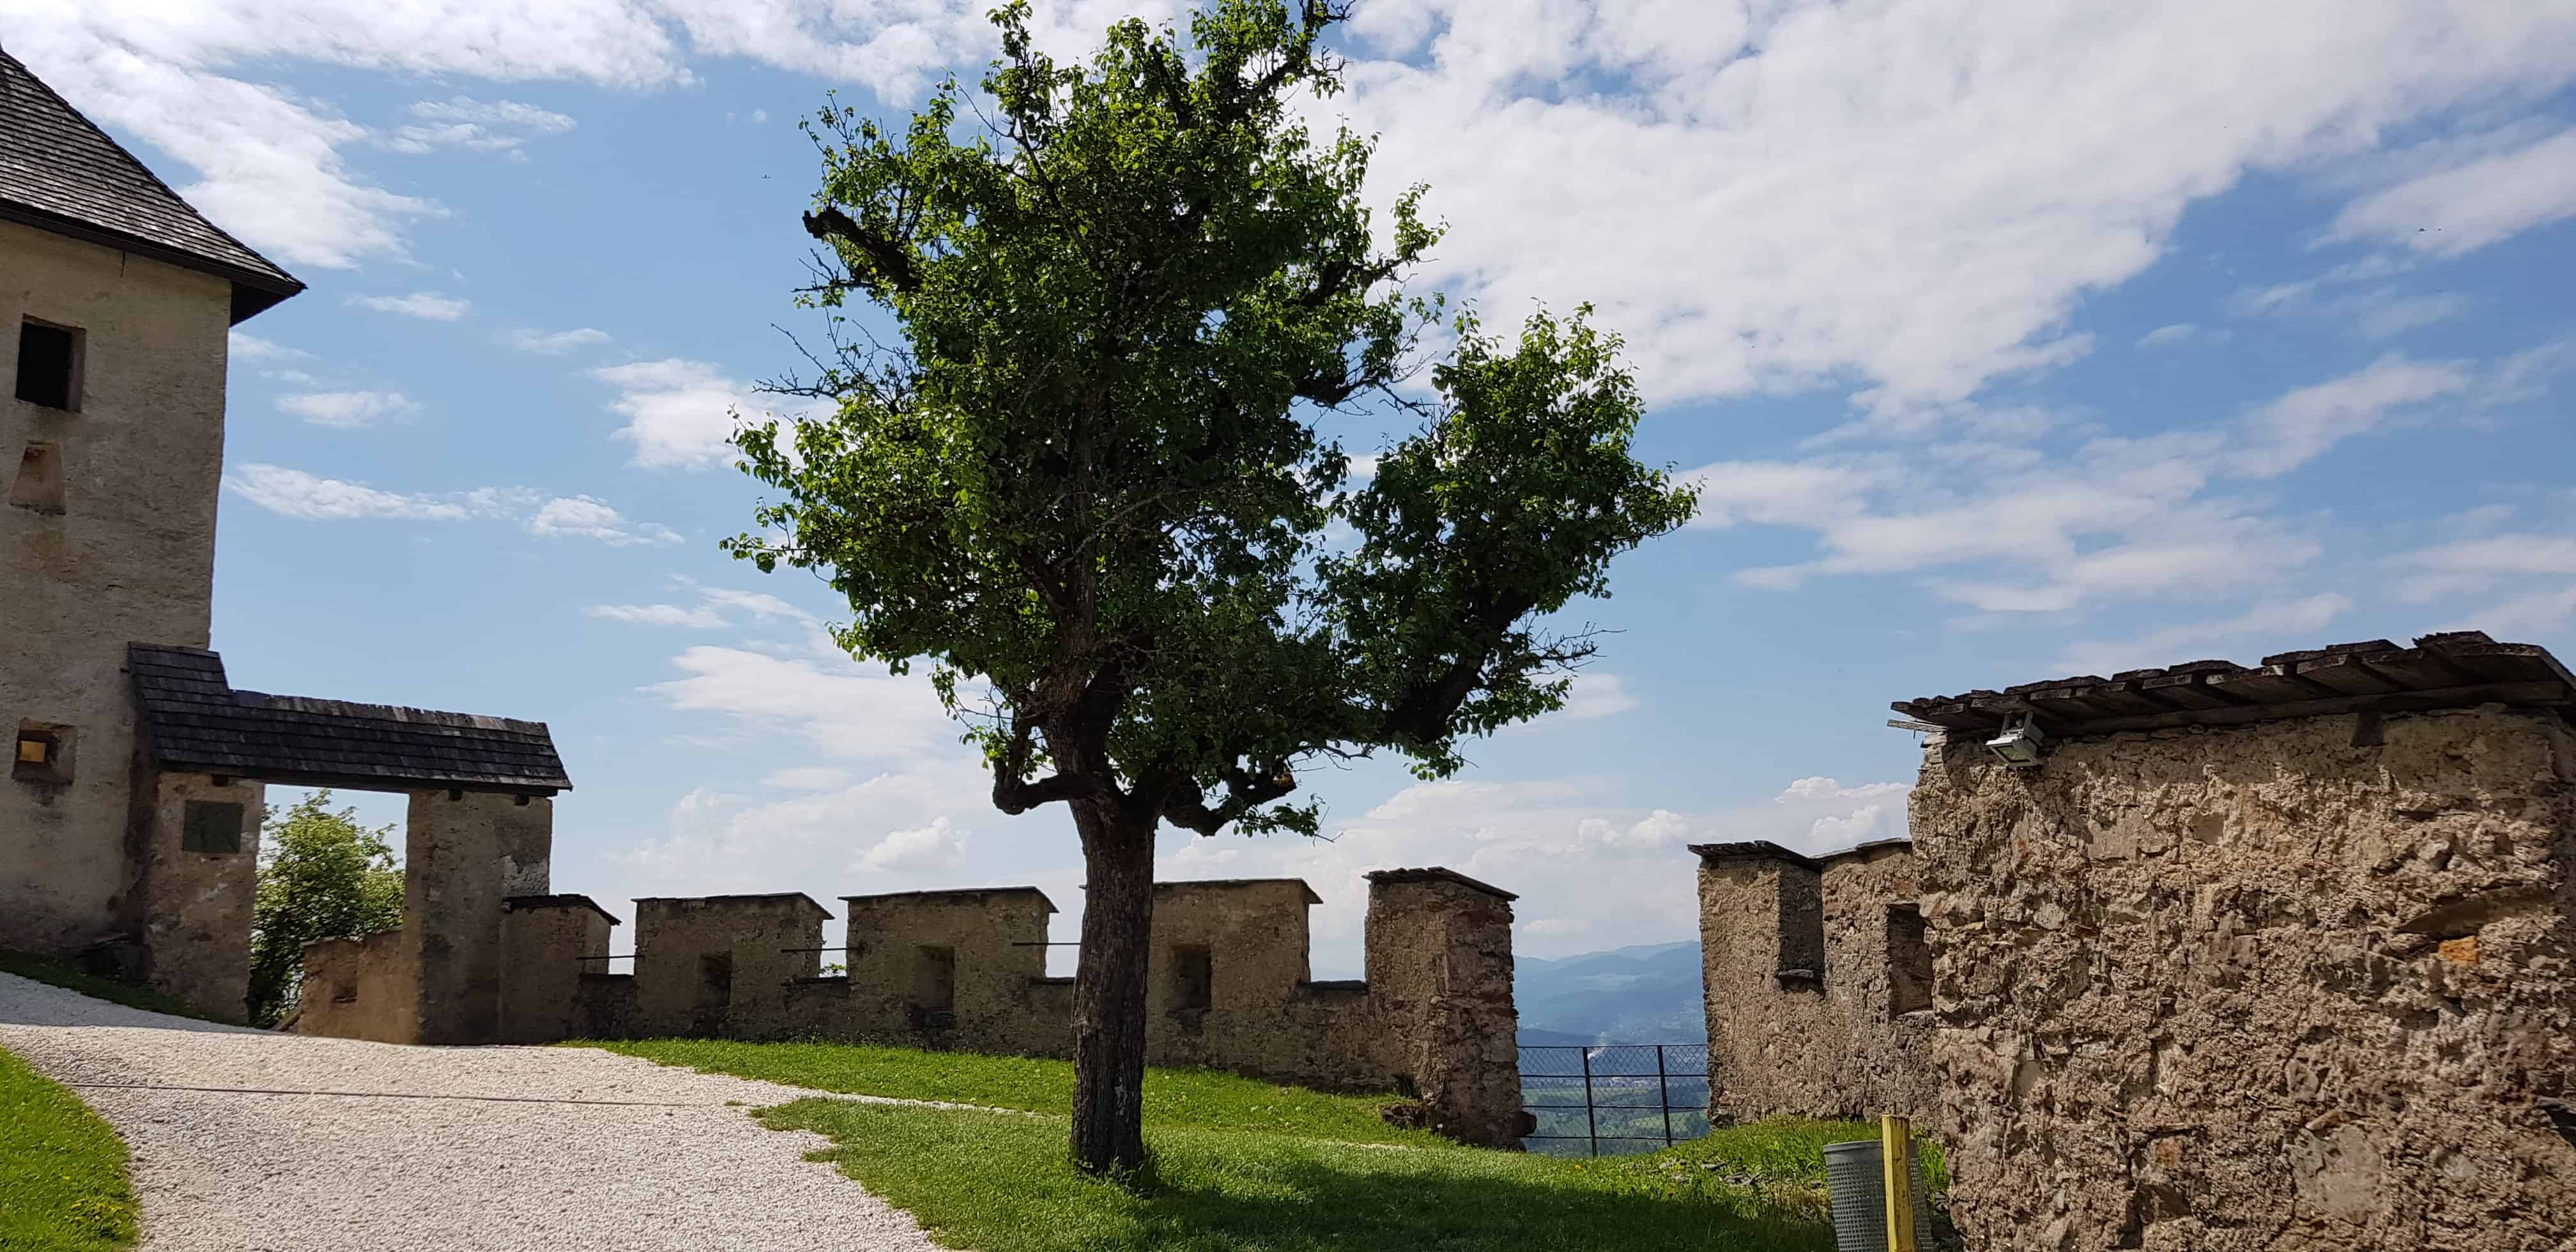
{"x":1298,"y":883}
{"x":1765,"y":850}
{"x":193,"y":719}
{"x":557,"y":902}
{"x":1437,"y":874}
{"x":2456,"y":669}
{"x":960,"y":894}
{"x":59,"y":172}
{"x":773,"y":897}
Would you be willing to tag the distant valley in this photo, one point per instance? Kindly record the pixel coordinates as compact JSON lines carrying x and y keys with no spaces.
{"x":1644,"y":994}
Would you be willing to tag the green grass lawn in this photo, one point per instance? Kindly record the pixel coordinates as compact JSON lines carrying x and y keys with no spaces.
{"x":1173,"y":1097}
{"x":62,"y":1171}
{"x":998,"y":1183}
{"x":48,"y":970}
{"x":1242,"y":1165}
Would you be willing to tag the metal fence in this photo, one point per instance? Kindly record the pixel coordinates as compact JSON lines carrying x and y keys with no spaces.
{"x":1614,"y":1097}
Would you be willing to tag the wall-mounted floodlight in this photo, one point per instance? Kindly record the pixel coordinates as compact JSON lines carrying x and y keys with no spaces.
{"x":2020,"y":742}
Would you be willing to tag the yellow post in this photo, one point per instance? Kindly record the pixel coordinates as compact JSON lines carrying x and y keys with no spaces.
{"x":1895,"y":1138}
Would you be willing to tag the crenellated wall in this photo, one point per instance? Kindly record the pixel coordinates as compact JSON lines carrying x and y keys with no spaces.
{"x":1228,"y":988}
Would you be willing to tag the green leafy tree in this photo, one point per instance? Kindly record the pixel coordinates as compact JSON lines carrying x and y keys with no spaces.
{"x":321,"y":876}
{"x":1090,"y":483}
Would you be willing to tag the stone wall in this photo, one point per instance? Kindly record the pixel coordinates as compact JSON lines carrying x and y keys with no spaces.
{"x":2305,"y":984}
{"x":194,"y":845}
{"x":464,"y":853}
{"x":1816,"y":978}
{"x":1440,"y":990}
{"x":548,"y":943}
{"x":123,"y":550}
{"x":721,"y":965}
{"x":946,"y":969}
{"x":364,"y":987}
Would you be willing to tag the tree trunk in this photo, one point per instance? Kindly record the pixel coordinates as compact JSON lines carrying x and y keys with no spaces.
{"x":1109,"y":989}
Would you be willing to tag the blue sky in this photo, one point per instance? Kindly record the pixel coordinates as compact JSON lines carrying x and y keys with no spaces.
{"x":2008,"y":341}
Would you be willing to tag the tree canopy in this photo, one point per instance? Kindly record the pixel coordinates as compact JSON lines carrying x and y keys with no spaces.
{"x":1088,"y":484}
{"x":321,"y":876}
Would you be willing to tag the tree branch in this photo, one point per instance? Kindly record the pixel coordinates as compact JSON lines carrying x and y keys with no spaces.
{"x":892,"y":263}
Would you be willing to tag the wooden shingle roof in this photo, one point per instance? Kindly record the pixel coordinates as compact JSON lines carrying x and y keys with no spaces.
{"x":193,"y":719}
{"x":61,"y":173}
{"x":2457,"y":669}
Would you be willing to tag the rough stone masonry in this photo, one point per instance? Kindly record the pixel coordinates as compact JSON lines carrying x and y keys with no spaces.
{"x":2277,"y":958}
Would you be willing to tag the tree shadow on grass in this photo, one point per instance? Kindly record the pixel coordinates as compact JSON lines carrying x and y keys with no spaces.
{"x":1000,"y":1184}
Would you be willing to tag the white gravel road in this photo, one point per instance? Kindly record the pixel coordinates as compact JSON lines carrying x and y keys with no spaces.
{"x":248,"y":1141}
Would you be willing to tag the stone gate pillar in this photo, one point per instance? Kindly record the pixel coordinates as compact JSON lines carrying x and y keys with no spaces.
{"x":464,"y":853}
{"x":1440,"y":972}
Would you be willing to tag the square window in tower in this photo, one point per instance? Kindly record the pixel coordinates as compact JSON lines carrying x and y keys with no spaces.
{"x":49,"y":364}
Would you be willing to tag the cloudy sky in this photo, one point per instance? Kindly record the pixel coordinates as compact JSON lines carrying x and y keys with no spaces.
{"x":2009,"y":341}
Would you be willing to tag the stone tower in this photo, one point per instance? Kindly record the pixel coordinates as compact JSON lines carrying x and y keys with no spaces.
{"x":115,"y":300}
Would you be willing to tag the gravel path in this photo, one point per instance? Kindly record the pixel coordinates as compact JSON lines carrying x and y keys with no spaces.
{"x":249,"y":1141}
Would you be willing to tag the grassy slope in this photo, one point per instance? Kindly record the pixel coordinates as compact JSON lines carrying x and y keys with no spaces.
{"x":1248,"y":1166}
{"x":48,"y":970}
{"x":1001,"y":1184}
{"x":1173,"y":1097}
{"x":62,"y":1171}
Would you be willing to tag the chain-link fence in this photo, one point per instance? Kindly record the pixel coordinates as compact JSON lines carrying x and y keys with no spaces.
{"x":1614,"y":1098}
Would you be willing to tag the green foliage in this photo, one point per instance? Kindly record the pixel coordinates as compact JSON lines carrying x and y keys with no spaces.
{"x":1090,"y":475}
{"x":1000,"y":1183}
{"x":1782,"y":1158}
{"x":47,"y":970}
{"x":321,"y":876}
{"x":62,"y":1171}
{"x":1173,"y":1097}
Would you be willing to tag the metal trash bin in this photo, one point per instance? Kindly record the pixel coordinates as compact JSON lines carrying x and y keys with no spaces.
{"x":1859,"y":1187}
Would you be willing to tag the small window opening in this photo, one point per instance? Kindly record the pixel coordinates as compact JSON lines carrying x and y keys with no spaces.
{"x":715,"y":981}
{"x":1802,"y":928}
{"x":934,"y":984}
{"x":49,"y":360}
{"x":39,"y":484}
{"x":44,"y":754}
{"x":1909,"y":960}
{"x":1193,"y":979}
{"x":345,"y":993}
{"x":211,"y":826}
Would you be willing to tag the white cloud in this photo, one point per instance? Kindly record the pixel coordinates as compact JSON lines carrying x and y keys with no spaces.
{"x":2251,"y":633}
{"x":840,"y":709}
{"x":298,"y":494}
{"x":1596,"y":695}
{"x":2302,"y":425}
{"x":350,"y":409}
{"x":1661,"y":829}
{"x":659,"y":615}
{"x":2523,"y":616}
{"x":426,"y":305}
{"x":2181,"y":333}
{"x":759,"y":116}
{"x":1915,"y":195}
{"x":2388,"y":314}
{"x":250,"y":347}
{"x":1820,"y":788}
{"x":503,"y":126}
{"x":557,"y":342}
{"x":2469,"y":205}
{"x":1833,"y":834}
{"x":808,"y":778}
{"x":2476,"y":565}
{"x":587,"y":517}
{"x":930,"y":847}
{"x":678,"y":412}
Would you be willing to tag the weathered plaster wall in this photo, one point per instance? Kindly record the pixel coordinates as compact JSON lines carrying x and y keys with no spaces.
{"x":1440,"y":983}
{"x":361,"y":988}
{"x":1239,"y":948}
{"x":1802,"y":998}
{"x":2259,"y":988}
{"x":465,"y":852}
{"x":190,"y":910}
{"x":548,"y":943}
{"x":992,"y":939}
{"x":130,"y":556}
{"x":716,"y":965}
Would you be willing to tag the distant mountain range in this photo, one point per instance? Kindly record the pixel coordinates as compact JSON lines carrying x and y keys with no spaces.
{"x":1644,"y":994}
